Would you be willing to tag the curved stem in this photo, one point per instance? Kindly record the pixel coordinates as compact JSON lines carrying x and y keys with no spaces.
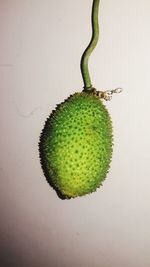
{"x":91,"y":46}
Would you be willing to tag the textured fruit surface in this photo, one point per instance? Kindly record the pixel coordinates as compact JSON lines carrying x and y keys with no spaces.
{"x":76,"y":145}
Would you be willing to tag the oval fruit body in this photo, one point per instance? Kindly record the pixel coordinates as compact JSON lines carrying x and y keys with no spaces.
{"x":76,"y":145}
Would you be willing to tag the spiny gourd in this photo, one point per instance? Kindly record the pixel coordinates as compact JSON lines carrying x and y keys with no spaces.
{"x":76,"y":145}
{"x":76,"y":142}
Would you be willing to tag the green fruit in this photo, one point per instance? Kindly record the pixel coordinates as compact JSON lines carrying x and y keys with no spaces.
{"x":76,"y":145}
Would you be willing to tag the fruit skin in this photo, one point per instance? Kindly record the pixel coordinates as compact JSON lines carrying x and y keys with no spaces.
{"x":76,"y":145}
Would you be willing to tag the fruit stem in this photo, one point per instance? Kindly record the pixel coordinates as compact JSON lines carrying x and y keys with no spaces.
{"x":91,"y":46}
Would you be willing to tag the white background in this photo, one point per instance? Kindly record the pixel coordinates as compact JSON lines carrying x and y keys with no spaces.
{"x":41,"y":43}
